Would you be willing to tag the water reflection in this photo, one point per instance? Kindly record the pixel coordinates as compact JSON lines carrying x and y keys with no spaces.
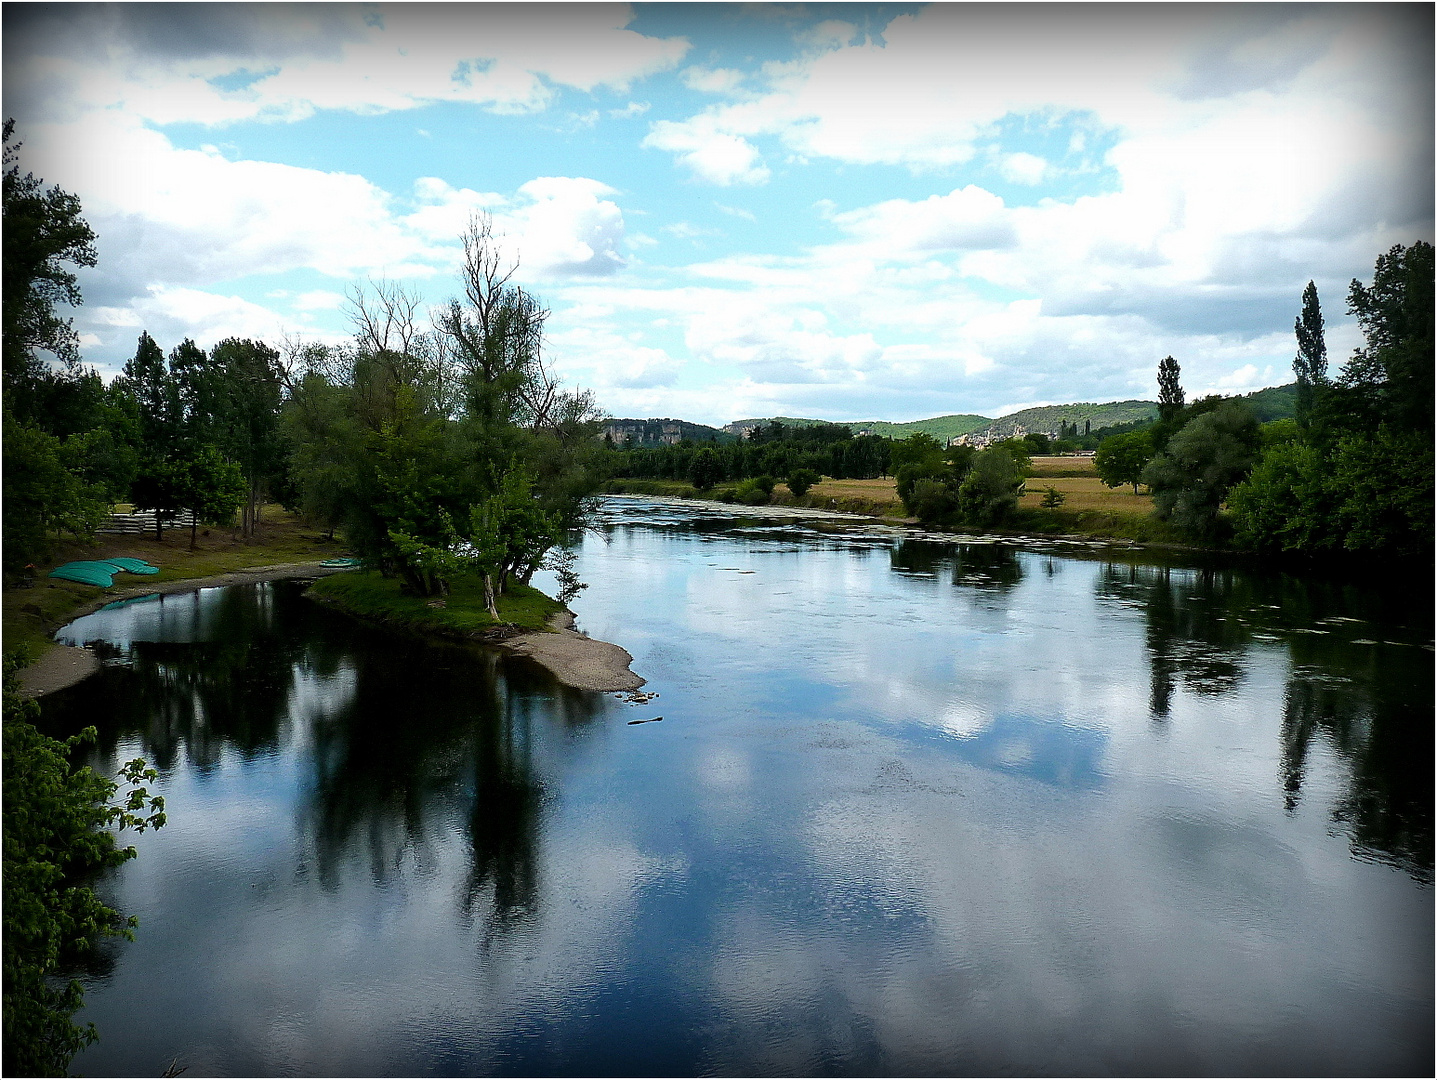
{"x":1349,"y":687}
{"x":401,"y":738}
{"x":952,"y":807}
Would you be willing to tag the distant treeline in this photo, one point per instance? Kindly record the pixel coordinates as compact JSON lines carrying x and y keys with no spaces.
{"x":774,"y":450}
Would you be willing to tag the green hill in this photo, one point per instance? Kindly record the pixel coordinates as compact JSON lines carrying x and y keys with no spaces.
{"x":1274,"y":403}
{"x":1046,"y":418}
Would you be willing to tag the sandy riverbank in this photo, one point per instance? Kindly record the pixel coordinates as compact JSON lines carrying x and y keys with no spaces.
{"x":573,"y":658}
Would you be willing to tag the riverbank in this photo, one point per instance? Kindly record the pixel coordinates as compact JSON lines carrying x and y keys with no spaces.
{"x":285,"y":550}
{"x":531,"y":624}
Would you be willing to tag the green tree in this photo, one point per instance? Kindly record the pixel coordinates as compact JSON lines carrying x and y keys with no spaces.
{"x":1121,"y":458}
{"x":1202,"y":462}
{"x":43,"y":232}
{"x":208,"y":486}
{"x":800,"y":480}
{"x":1286,"y":504}
{"x":244,"y":397}
{"x":704,"y":469}
{"x":1310,"y":364}
{"x":59,"y":825}
{"x":989,"y":493}
{"x":1053,"y":498}
{"x":44,"y":496}
{"x":1394,"y":367}
{"x":1170,"y":388}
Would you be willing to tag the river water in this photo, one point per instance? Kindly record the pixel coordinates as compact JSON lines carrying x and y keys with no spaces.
{"x":914,"y":806}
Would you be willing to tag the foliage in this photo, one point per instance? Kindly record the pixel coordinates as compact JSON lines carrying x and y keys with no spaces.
{"x":1201,"y":464}
{"x":800,"y":480}
{"x":1121,"y":458}
{"x":1170,"y":390}
{"x":43,"y":232}
{"x":752,"y":493}
{"x":44,"y":494}
{"x":704,"y":471}
{"x":989,"y":492}
{"x":59,"y":829}
{"x":440,"y":450}
{"x":1053,"y":498}
{"x":1310,"y":365}
{"x":1358,"y":475}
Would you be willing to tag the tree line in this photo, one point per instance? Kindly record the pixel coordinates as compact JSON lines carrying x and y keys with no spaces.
{"x":1352,"y":472}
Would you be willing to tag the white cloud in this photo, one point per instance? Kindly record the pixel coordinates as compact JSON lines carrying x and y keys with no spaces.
{"x":717,"y":156}
{"x":568,"y":228}
{"x":712,"y":80}
{"x":1023,"y":168}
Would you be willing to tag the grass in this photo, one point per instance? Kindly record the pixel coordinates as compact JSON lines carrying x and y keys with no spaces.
{"x":463,"y":614}
{"x":32,"y":615}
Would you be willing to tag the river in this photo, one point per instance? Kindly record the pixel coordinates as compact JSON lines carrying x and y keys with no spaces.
{"x":915,"y":806}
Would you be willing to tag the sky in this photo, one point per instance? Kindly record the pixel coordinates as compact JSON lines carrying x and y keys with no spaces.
{"x":840,"y":211}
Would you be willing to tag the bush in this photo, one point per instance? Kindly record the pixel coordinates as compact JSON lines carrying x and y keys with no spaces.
{"x":989,"y":493}
{"x":932,"y":502}
{"x":800,"y":480}
{"x":751,"y":493}
{"x":1053,"y":498}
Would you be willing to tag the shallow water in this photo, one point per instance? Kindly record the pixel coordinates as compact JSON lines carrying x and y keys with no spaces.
{"x":914,"y":807}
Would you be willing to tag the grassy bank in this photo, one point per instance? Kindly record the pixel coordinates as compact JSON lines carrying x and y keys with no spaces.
{"x":32,"y":615}
{"x":461,"y":614}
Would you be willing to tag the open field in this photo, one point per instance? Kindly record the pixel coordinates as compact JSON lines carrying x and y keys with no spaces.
{"x":1088,"y":493}
{"x":1063,"y":466}
{"x":31,"y":615}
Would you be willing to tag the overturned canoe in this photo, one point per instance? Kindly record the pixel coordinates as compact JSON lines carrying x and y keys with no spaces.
{"x":87,"y":573}
{"x":133,"y":566}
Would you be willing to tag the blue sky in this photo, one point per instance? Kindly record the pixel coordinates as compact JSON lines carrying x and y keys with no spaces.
{"x":844,"y":211}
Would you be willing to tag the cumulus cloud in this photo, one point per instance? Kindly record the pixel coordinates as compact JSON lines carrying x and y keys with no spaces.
{"x":710,"y":153}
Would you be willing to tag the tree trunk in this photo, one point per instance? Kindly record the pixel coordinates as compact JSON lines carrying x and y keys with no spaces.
{"x":489,"y":596}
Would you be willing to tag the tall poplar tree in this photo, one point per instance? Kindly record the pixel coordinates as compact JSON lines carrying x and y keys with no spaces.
{"x":1170,"y":390}
{"x":1310,"y":364}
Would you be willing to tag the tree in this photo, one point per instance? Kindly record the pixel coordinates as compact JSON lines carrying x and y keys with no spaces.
{"x":43,"y":495}
{"x":1201,"y":464}
{"x":1310,"y":364}
{"x":704,"y":469}
{"x":210,"y":487}
{"x":1394,"y":368}
{"x":1170,"y":390}
{"x":1053,"y":498}
{"x":989,"y":493}
{"x":246,"y":394}
{"x":43,"y":232}
{"x":800,"y":480}
{"x":59,"y":825}
{"x":1121,"y":458}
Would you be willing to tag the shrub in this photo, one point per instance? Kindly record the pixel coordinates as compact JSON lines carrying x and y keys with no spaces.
{"x":800,"y":480}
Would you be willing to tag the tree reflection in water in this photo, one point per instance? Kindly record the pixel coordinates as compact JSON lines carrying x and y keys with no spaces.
{"x":985,"y":567}
{"x":1360,"y":681}
{"x":405,"y":738}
